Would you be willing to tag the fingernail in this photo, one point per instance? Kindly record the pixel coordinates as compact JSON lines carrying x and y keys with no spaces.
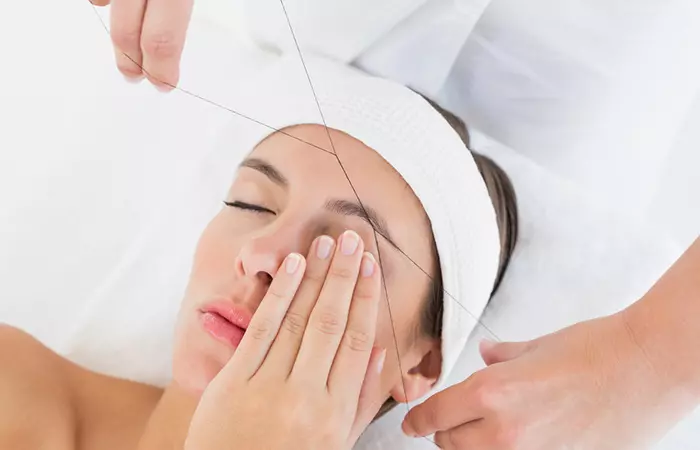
{"x":350,"y":243}
{"x":163,"y":87}
{"x":135,"y":79}
{"x":368,"y":264}
{"x":323,"y":247}
{"x":380,"y":361}
{"x":292,"y":263}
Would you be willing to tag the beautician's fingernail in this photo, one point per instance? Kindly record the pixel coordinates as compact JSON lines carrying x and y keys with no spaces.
{"x":323,"y":247}
{"x":134,"y":79}
{"x":162,"y":87}
{"x":380,"y":361}
{"x":368,"y":264}
{"x":350,"y":243}
{"x":292,"y":263}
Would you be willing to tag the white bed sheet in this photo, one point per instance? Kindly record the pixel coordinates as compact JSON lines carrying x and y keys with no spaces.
{"x":102,"y":204}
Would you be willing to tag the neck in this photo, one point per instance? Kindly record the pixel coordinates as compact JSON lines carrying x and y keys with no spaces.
{"x":169,"y":423}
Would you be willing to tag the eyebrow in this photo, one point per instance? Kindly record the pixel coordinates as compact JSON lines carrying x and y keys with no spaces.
{"x":364,"y":212}
{"x":266,"y":169}
{"x":337,"y":206}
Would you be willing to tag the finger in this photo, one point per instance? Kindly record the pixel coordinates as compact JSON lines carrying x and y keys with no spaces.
{"x":370,"y":400}
{"x":447,"y":409}
{"x":467,"y":436}
{"x":263,"y":329}
{"x":330,"y":314}
{"x":163,"y":38}
{"x":126,"y":20}
{"x":99,"y":2}
{"x":350,"y":364}
{"x":498,"y":352}
{"x":286,"y":347}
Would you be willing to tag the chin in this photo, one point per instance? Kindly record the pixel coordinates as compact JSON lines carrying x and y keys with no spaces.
{"x":198,"y":358}
{"x":195,"y":374}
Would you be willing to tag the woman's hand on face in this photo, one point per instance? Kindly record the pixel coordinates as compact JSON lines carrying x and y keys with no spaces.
{"x":148,"y":38}
{"x":588,"y":386}
{"x":304,"y":371}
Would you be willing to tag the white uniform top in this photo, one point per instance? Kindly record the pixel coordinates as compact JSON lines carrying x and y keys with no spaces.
{"x":595,"y":91}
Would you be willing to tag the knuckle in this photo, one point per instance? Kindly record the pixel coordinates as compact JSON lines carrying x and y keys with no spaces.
{"x":358,"y":340}
{"x":425,"y":419}
{"x":486,"y":393}
{"x":330,"y":323}
{"x":315,"y":277}
{"x":162,"y":44}
{"x":261,"y":330}
{"x":125,"y":38}
{"x":342,"y":273}
{"x":277,"y":293}
{"x":295,"y":323}
{"x":365,"y":293}
{"x":431,"y":418}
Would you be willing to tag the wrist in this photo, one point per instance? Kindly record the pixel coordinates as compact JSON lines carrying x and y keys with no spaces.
{"x":664,"y":348}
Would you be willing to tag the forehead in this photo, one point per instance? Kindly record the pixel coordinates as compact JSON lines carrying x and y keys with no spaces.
{"x":317,"y":175}
{"x":298,"y":154}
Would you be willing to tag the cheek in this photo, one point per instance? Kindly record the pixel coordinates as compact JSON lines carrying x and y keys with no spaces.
{"x":215,"y":256}
{"x":398,"y":321}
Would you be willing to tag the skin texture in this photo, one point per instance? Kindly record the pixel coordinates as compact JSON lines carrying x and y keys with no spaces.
{"x":148,"y":38}
{"x":47,"y":402}
{"x":617,"y":382}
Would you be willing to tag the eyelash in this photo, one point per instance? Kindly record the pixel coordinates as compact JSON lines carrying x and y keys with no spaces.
{"x":249,"y":207}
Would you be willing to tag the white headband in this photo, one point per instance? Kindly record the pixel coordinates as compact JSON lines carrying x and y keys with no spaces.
{"x":416,"y":140}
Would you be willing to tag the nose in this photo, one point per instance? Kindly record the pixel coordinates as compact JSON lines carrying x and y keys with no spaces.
{"x":262,"y":255}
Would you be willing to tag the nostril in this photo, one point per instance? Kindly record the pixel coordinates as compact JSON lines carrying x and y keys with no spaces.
{"x":240,"y":269}
{"x":265,"y":278}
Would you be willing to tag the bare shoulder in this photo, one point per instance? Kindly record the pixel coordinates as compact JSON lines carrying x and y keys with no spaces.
{"x":36,"y":410}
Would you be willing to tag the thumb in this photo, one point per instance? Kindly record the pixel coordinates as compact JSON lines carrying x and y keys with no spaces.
{"x":369,"y":403}
{"x":498,"y":352}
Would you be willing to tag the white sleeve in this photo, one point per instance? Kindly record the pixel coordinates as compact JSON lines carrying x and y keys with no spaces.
{"x":415,"y":42}
{"x":338,"y":29}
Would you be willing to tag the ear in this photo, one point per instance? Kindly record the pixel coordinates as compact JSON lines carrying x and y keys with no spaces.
{"x":418,"y":380}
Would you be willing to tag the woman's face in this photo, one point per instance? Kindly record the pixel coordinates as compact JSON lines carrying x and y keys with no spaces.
{"x":285,"y":195}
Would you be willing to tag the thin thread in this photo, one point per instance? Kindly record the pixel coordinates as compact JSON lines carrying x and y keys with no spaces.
{"x":233,"y":111}
{"x":204,"y":99}
{"x":334,"y":153}
{"x":323,"y":119}
{"x":357,"y":196}
{"x":342,"y":167}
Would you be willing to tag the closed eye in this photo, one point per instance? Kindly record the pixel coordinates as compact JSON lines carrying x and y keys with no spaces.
{"x":249,"y":207}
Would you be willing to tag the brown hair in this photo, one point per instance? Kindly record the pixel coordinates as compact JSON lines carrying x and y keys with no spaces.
{"x":505,"y":204}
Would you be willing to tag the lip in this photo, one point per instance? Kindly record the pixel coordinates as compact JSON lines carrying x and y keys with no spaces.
{"x":225,"y":321}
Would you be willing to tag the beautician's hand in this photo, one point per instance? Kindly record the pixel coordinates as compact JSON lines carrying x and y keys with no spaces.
{"x":585,"y":387}
{"x":613,"y":383}
{"x":300,"y":376}
{"x":152,"y":34}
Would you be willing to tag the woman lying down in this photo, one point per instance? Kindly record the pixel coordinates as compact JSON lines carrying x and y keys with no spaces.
{"x":292,"y":225}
